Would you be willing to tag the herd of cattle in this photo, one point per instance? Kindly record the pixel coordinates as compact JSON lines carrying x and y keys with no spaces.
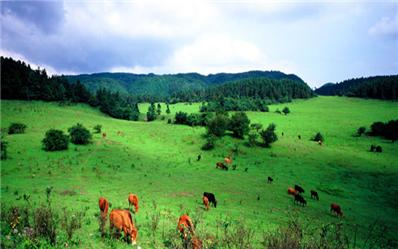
{"x":121,"y":219}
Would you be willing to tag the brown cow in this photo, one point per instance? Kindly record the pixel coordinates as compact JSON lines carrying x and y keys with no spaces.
{"x":196,"y":243}
{"x":103,"y":135}
{"x":103,"y":206}
{"x":121,"y":220}
{"x":228,"y":159}
{"x":336,"y":209}
{"x":184,"y":223}
{"x":221,"y":166}
{"x":292,"y":191}
{"x":133,"y":200}
{"x":206,"y":202}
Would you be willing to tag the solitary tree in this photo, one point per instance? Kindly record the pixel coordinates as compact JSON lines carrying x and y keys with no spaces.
{"x":286,"y":110}
{"x":218,"y":125}
{"x":79,"y":134}
{"x":167,"y":108}
{"x":55,"y":140}
{"x":159,"y":109}
{"x":269,"y":136}
{"x":151,"y":114}
{"x":239,"y":124}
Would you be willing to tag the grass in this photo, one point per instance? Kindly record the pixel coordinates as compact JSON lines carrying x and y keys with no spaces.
{"x":157,"y":161}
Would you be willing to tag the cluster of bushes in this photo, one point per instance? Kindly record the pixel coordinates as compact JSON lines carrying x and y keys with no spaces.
{"x":16,"y":128}
{"x":235,"y":104}
{"x":388,"y":130}
{"x":285,"y":110}
{"x":193,"y":119}
{"x":56,"y":139}
{"x":376,"y":148}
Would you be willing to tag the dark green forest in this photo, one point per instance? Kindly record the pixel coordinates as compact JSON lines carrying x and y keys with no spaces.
{"x":377,"y":87}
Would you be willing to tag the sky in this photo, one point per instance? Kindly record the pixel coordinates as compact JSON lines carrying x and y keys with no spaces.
{"x":320,"y":41}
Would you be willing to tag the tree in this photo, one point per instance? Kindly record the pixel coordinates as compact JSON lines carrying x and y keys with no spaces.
{"x":256,"y":126}
{"x":252,"y":138}
{"x":3,"y":146}
{"x":181,"y":118}
{"x":239,"y":124}
{"x":167,"y":108}
{"x":151,"y":114}
{"x":16,"y":128}
{"x":361,"y":130}
{"x":286,"y":110}
{"x":318,"y":137}
{"x":159,"y":109}
{"x":269,"y":136}
{"x":218,"y":125}
{"x":55,"y":140}
{"x":210,"y":142}
{"x":79,"y":134}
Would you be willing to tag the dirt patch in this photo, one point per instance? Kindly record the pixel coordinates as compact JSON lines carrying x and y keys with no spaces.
{"x":68,"y":192}
{"x":182,"y":194}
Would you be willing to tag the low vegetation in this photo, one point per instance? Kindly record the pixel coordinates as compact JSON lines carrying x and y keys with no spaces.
{"x":55,"y":140}
{"x":16,"y":128}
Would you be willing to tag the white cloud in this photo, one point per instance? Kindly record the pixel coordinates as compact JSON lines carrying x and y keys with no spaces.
{"x":387,"y":26}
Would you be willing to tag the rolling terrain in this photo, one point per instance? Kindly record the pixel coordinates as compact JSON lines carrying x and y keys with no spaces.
{"x":157,"y":161}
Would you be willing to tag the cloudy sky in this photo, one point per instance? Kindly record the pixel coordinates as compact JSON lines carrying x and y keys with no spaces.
{"x":317,"y":40}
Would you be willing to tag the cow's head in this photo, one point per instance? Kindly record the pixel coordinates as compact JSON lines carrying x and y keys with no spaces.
{"x":133,"y":235}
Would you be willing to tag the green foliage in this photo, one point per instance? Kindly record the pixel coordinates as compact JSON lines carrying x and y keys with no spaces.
{"x":151,"y":114}
{"x":167,"y":108}
{"x":45,"y":223}
{"x":71,"y":222}
{"x":388,"y":130}
{"x":210,"y":142}
{"x":252,"y":138}
{"x":55,"y":140}
{"x":361,"y":130}
{"x":286,"y":110}
{"x":181,"y":118}
{"x":218,"y":125}
{"x":239,"y":124}
{"x":97,"y":128}
{"x":3,"y":146}
{"x":318,"y":137}
{"x":79,"y":134}
{"x":16,"y":128}
{"x":268,"y":135}
{"x":159,"y":109}
{"x":256,"y":126}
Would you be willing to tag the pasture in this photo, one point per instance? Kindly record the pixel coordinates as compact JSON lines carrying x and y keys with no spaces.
{"x":157,"y":161}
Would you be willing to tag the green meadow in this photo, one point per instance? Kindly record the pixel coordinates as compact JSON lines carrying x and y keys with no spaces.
{"x":157,"y":161}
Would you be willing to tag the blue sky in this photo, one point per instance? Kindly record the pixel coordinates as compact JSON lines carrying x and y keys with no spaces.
{"x":320,"y":41}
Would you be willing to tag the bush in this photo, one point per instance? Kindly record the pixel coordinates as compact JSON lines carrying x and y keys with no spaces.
{"x":79,"y":134}
{"x":218,"y":125}
{"x":361,"y":130}
{"x":71,"y":222}
{"x":269,"y":136}
{"x":151,"y":114}
{"x":45,"y":223}
{"x":286,"y":110}
{"x":239,"y":124}
{"x":318,"y":137}
{"x":256,"y":126}
{"x":55,"y":140}
{"x":210,"y":142}
{"x":387,"y":130}
{"x":16,"y":128}
{"x":379,"y":149}
{"x":3,"y":149}
{"x":252,"y":139}
{"x":278,"y":111}
{"x":193,"y":119}
{"x":181,"y":118}
{"x":97,"y":128}
{"x":372,"y":148}
{"x":169,"y":121}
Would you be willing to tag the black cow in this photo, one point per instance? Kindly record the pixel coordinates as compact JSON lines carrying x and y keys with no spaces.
{"x":299,"y":189}
{"x":314,"y":195}
{"x":270,"y":179}
{"x":211,"y":197}
{"x":300,"y":200}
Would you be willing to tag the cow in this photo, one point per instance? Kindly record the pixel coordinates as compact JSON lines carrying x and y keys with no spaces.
{"x":228,"y":159}
{"x":320,"y":142}
{"x":314,"y":195}
{"x":299,"y":189}
{"x":196,"y":243}
{"x":121,"y":221}
{"x":103,"y":206}
{"x":299,"y":199}
{"x":292,"y":191}
{"x":103,"y":135}
{"x":221,"y":166}
{"x":206,"y":202}
{"x":199,"y":157}
{"x":185,"y":223}
{"x":270,"y":180}
{"x":336,"y":209}
{"x":133,"y":201}
{"x":211,"y":197}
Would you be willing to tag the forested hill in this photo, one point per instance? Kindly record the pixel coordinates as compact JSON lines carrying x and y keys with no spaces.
{"x":377,"y":87}
{"x":166,"y":85}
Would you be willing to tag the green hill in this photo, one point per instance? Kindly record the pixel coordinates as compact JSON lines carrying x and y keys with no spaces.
{"x":157,"y":161}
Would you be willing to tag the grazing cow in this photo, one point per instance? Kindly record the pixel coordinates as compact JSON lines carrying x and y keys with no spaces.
{"x":133,"y":201}
{"x":270,"y":180}
{"x":121,"y":221}
{"x":314,"y":195}
{"x":336,"y":209}
{"x":103,"y":206}
{"x":196,"y":243}
{"x":320,"y":142}
{"x":299,"y":189}
{"x":299,"y":199}
{"x":292,"y":191}
{"x":211,"y":197}
{"x":199,"y":157}
{"x":228,"y":160}
{"x":184,"y":223}
{"x":103,"y":135}
{"x":206,"y":202}
{"x":221,"y":166}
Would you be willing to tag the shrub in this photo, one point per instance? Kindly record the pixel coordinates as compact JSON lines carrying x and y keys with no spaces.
{"x":318,"y":137}
{"x":269,"y":136}
{"x":181,"y":118}
{"x":71,"y":222}
{"x":256,"y":126}
{"x":151,"y":114}
{"x":361,"y":130}
{"x":45,"y":223}
{"x":193,"y":119}
{"x":3,"y":147}
{"x":16,"y":128}
{"x":387,"y":130}
{"x":79,"y":134}
{"x":379,"y":149}
{"x":252,"y":139}
{"x":372,"y":148}
{"x":210,"y":142}
{"x":97,"y":128}
{"x":55,"y":140}
{"x":218,"y":125}
{"x":169,"y":121}
{"x":286,"y":110}
{"x":278,"y":111}
{"x":239,"y":124}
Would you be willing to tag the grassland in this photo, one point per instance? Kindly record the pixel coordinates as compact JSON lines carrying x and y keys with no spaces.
{"x":157,"y":161}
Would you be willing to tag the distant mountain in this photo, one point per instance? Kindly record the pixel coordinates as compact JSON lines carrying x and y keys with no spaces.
{"x":168,"y":84}
{"x":377,"y":87}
